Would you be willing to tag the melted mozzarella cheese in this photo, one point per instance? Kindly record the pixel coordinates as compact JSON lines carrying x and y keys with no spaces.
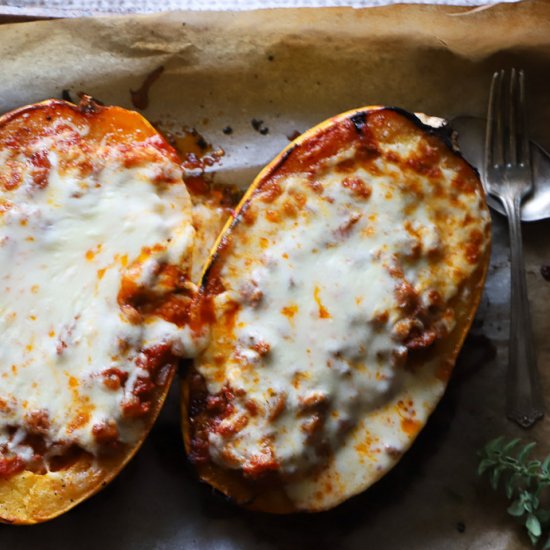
{"x":64,"y":247}
{"x":312,"y":332}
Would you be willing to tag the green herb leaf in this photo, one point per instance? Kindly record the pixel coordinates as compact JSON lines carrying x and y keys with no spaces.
{"x":527,"y":503}
{"x":510,"y":486}
{"x":516,"y":508}
{"x":510,"y":446}
{"x":534,"y":540}
{"x":533,"y":525}
{"x":484,"y":465}
{"x":522,"y":455}
{"x":524,"y":482}
{"x":494,"y":445}
{"x":495,"y":476}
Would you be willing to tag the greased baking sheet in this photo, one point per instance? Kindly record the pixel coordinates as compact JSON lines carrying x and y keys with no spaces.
{"x":267,"y":75}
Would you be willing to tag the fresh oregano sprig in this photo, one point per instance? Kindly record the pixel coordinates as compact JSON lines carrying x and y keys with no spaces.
{"x":507,"y":463}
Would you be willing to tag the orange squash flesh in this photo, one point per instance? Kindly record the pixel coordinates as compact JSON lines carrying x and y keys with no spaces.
{"x":336,"y":479}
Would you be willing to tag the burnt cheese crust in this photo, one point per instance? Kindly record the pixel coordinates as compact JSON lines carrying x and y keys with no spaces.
{"x":95,"y":249}
{"x":339,"y":296}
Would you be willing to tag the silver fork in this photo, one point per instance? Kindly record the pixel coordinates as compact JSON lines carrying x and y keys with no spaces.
{"x":508,"y":177}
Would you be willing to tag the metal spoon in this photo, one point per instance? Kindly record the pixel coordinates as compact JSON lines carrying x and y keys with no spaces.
{"x":536,"y":206}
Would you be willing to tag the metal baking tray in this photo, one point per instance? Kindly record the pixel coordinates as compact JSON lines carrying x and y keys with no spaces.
{"x":228,"y":69}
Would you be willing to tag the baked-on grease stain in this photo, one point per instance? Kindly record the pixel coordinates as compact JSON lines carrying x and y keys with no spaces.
{"x":195,"y":151}
{"x":140,"y":97}
{"x":294,"y":135}
{"x":258,"y":125}
{"x":66,"y":96}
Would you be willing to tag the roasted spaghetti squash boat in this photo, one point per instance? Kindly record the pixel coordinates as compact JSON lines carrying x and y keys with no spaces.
{"x":95,"y":244}
{"x":339,"y":297}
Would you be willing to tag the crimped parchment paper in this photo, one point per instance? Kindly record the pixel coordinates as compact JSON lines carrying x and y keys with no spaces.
{"x":246,"y":81}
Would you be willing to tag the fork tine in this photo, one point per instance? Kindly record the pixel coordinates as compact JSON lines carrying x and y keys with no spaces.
{"x":500,"y":120}
{"x":524,"y":151}
{"x":514,"y":104}
{"x":493,"y":144}
{"x":489,"y":130}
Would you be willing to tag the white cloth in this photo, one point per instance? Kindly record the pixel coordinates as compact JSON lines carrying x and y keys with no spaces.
{"x":81,"y":7}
